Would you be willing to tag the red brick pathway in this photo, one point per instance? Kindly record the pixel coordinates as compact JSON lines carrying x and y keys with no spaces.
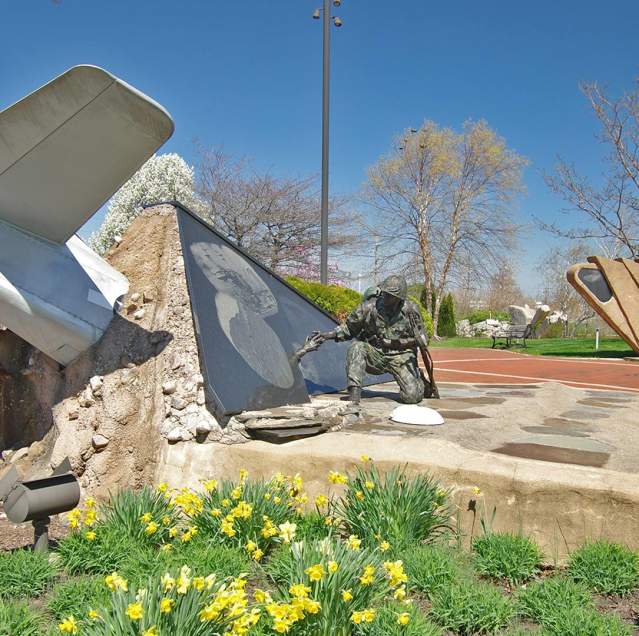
{"x":506,"y":367}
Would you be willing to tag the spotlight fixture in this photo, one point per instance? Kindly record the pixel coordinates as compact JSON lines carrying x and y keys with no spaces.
{"x":337,"y":3}
{"x":337,"y":22}
{"x":316,"y":14}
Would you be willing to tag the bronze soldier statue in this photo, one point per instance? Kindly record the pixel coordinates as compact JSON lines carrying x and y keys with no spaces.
{"x":388,"y":330}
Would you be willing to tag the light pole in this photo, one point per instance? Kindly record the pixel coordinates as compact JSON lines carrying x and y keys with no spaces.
{"x":326,"y":47}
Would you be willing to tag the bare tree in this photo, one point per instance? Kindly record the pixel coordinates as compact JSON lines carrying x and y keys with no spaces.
{"x":557,"y":291}
{"x":274,"y":219}
{"x":446,"y":198}
{"x":611,"y":210}
{"x":503,"y":289}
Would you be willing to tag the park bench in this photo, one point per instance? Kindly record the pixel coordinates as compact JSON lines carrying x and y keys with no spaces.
{"x":513,"y":332}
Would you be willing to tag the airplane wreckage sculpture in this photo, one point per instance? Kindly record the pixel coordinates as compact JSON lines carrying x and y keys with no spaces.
{"x":611,"y":288}
{"x":64,"y":150}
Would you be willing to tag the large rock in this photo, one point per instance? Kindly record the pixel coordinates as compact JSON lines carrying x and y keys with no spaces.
{"x":520,"y":315}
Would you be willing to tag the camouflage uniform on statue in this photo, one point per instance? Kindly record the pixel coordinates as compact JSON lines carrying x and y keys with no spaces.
{"x":387,"y":330}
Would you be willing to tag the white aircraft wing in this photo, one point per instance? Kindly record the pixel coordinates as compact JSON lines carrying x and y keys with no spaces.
{"x":67,"y":147}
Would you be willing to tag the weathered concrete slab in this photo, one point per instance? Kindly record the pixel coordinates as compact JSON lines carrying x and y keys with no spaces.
{"x":558,"y":480}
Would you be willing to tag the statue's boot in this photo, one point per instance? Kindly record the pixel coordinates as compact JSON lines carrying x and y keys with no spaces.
{"x":355,"y":394}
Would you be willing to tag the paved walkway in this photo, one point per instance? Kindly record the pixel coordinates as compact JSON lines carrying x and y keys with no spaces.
{"x":491,"y":366}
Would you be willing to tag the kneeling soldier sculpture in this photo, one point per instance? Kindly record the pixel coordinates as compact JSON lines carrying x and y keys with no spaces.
{"x":388,"y":330}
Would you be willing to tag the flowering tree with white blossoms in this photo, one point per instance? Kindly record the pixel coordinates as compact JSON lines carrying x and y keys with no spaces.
{"x":162,"y":178}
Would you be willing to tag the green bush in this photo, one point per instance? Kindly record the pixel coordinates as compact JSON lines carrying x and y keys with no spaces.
{"x":563,"y":607}
{"x":109,"y":551}
{"x":207,"y":556}
{"x":426,"y":317}
{"x":479,"y":315}
{"x":446,"y":326}
{"x":430,"y":567}
{"x":506,"y":556}
{"x":393,"y":507}
{"x":543,"y":601}
{"x":24,"y":573}
{"x":607,"y":568}
{"x":555,"y":330}
{"x":85,"y":592}
{"x":471,"y":607}
{"x":334,"y":299}
{"x":387,"y":623}
{"x":16,"y":619}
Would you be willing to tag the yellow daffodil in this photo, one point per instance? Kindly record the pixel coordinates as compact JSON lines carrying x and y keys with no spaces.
{"x":166,"y":605}
{"x":299,"y":590}
{"x":287,"y":531}
{"x":199,"y":583}
{"x":93,"y":615}
{"x":74,"y":518}
{"x":315,"y":572}
{"x":368,"y":576}
{"x":152,"y":631}
{"x":347,"y":595}
{"x":337,"y":478}
{"x":359,"y":495}
{"x":146,"y":517}
{"x":257,"y":555}
{"x":332,"y":566}
{"x":162,"y":487}
{"x":135,"y":611}
{"x":400,"y":593}
{"x":365,"y":459}
{"x":354,"y":542}
{"x":369,"y":485}
{"x":116,"y":583}
{"x":210,"y":485}
{"x":151,"y":528}
{"x":168,"y":582}
{"x":261,"y":596}
{"x":395,"y":573}
{"x":403,"y":618}
{"x":68,"y":626}
{"x":90,"y":535}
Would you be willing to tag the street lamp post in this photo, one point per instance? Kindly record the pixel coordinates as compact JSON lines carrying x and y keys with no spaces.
{"x":326,"y":48}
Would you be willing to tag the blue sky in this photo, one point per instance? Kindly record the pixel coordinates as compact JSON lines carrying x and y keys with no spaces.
{"x":246,"y":74}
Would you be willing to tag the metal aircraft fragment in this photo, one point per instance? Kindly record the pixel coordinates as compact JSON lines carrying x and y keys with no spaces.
{"x":64,"y":150}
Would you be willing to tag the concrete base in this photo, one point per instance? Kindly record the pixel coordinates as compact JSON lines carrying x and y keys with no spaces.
{"x":559,"y":505}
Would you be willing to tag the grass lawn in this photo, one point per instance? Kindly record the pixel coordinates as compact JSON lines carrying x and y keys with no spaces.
{"x":575,"y":347}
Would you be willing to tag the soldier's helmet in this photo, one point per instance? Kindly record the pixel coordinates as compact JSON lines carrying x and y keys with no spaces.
{"x":394,"y":285}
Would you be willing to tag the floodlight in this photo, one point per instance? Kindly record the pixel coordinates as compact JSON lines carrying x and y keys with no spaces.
{"x":316,"y":14}
{"x":36,"y":500}
{"x":337,"y":22}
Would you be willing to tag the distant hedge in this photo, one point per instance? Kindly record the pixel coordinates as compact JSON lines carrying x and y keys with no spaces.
{"x":479,"y":315}
{"x":340,"y":301}
{"x":336,"y":300}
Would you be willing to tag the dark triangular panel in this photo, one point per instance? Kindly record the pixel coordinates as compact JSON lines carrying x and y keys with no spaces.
{"x":249,"y":322}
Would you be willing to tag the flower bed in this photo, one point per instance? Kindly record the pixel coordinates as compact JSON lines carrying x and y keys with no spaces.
{"x":377,"y":555}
